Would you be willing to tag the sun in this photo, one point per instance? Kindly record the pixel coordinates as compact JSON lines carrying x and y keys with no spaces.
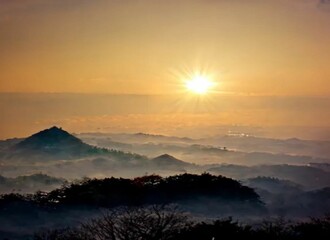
{"x":199,"y":84}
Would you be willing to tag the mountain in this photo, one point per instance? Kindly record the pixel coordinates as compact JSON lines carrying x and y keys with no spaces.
{"x":51,"y":138}
{"x":50,"y":144}
{"x":169,"y":162}
{"x":233,"y":150}
{"x":307,"y":176}
{"x":273,"y":185}
{"x":238,"y":142}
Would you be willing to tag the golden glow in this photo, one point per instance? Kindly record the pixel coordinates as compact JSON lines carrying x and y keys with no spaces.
{"x":129,"y":48}
{"x":199,"y":84}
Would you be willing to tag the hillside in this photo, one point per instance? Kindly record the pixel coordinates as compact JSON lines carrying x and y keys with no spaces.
{"x":57,"y":144}
{"x":307,"y":176}
{"x":166,"y":161}
{"x":273,"y":185}
{"x":29,"y":184}
{"x":52,"y":143}
{"x":152,"y":189}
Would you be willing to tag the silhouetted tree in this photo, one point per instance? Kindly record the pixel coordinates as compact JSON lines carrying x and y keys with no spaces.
{"x":167,"y":223}
{"x":153,"y":189}
{"x":316,"y":228}
{"x":274,"y":229}
{"x":147,"y":223}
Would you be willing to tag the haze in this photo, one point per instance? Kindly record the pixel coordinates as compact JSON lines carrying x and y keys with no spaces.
{"x":270,"y":60}
{"x":165,"y":119}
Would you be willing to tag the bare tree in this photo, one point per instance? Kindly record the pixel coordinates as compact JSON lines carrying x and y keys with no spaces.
{"x":156,"y":222}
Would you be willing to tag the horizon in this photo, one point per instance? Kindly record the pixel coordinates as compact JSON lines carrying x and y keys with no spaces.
{"x":172,"y":114}
{"x":164,"y":119}
{"x":187,"y":68}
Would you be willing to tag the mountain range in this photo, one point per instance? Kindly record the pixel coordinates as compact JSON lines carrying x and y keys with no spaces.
{"x":52,"y":144}
{"x":58,"y":153}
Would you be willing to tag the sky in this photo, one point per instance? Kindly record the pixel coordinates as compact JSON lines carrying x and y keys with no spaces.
{"x":252,"y":49}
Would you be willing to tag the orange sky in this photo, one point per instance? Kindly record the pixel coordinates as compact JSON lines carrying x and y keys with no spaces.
{"x":268,"y":47}
{"x":270,"y":60}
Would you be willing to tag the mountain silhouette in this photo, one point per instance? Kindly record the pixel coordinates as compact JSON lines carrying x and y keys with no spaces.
{"x":273,"y":185}
{"x":50,"y":138}
{"x":52,"y":143}
{"x":167,"y":161}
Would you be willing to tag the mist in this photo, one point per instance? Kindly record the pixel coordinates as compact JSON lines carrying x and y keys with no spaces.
{"x":179,"y":115}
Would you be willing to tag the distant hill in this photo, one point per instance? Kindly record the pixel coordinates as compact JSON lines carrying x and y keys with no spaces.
{"x":169,"y":162}
{"x":234,"y":150}
{"x":187,"y":190}
{"x":138,"y":137}
{"x":50,"y":144}
{"x":56,"y":144}
{"x":48,"y":139}
{"x":307,"y":176}
{"x":311,"y":203}
{"x":29,"y":184}
{"x":273,"y":185}
{"x":323,"y":166}
{"x":286,"y":198}
{"x":51,"y":140}
{"x":292,"y":146}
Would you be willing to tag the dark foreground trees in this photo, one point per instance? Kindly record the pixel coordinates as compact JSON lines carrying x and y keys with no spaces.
{"x":168,"y":223}
{"x":184,"y":189}
{"x":145,"y":223}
